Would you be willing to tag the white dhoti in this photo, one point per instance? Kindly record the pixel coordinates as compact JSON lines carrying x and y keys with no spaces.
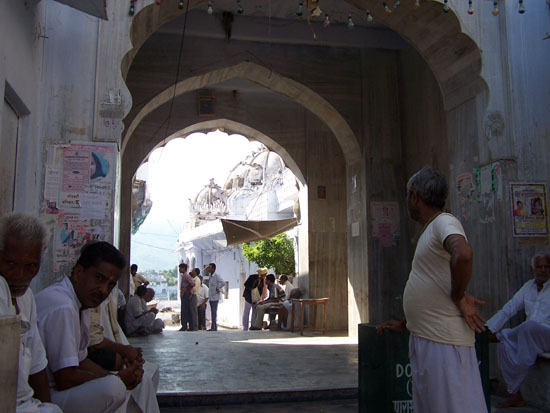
{"x":36,"y":406}
{"x":518,"y":350}
{"x":445,"y":378}
{"x":103,"y":395}
{"x":145,"y":394}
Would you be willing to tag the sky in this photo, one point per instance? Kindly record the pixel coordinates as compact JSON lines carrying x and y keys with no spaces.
{"x":175,"y":174}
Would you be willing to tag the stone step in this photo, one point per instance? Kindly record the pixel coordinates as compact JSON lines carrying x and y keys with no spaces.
{"x":187,"y":399}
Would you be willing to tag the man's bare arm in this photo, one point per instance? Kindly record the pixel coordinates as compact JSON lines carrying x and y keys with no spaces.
{"x":70,"y":377}
{"x":39,"y":383}
{"x":461,"y":272}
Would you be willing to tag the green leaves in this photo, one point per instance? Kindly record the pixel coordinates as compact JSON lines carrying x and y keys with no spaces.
{"x":276,"y":252}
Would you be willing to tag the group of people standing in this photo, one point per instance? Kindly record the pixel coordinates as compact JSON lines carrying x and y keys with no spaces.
{"x":196,"y":291}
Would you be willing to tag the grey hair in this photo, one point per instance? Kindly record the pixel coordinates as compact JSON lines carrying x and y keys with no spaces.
{"x":21,"y":226}
{"x":537,"y":256}
{"x":430,"y":186}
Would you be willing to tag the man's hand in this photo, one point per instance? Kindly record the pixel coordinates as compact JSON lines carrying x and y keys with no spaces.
{"x":154,"y":310}
{"x":131,"y":353}
{"x":392,"y":325}
{"x":131,"y":376}
{"x":467,"y":306}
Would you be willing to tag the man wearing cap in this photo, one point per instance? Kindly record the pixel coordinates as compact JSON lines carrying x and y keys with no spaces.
{"x":257,"y":283}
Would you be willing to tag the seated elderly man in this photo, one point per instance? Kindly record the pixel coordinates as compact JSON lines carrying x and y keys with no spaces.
{"x":519,"y":347}
{"x":276,"y":296}
{"x":76,"y":382}
{"x":283,"y":323}
{"x":21,"y":244}
{"x":109,"y":347}
{"x":138,"y":319}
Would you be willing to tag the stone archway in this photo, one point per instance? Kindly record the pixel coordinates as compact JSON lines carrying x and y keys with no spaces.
{"x":230,"y":126}
{"x":452,"y":55}
{"x":270,"y":80}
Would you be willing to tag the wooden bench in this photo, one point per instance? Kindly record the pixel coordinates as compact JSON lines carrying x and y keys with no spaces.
{"x":312,"y":302}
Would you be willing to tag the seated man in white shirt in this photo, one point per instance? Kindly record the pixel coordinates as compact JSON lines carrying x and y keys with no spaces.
{"x":77,"y":383}
{"x":138,"y":319}
{"x":283,"y":322}
{"x":21,"y":245}
{"x":276,"y":297}
{"x":519,"y":347}
{"x":286,"y":284}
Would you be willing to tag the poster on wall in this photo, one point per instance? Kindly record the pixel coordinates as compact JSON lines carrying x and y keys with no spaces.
{"x":79,"y":190}
{"x":385,"y":222}
{"x":489,"y":190}
{"x":529,"y":209}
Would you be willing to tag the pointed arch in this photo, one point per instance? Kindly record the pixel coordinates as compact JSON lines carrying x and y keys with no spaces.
{"x":270,"y":80}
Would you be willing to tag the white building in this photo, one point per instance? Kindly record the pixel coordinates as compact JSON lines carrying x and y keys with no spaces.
{"x":261,"y":188}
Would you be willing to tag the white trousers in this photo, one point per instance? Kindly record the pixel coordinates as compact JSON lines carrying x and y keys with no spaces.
{"x":103,"y":395}
{"x":445,"y":378}
{"x":36,"y":406}
{"x":518,"y":350}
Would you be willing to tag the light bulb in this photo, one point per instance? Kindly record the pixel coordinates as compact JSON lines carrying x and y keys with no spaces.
{"x":300,"y":9}
{"x":180,"y":6}
{"x":350,"y":22}
{"x":387,"y":9}
{"x":470,"y":7}
{"x":495,"y":11}
{"x":369,"y":17}
{"x":132,"y":9}
{"x":326,"y":23}
{"x":521,"y":7}
{"x":396,"y":4}
{"x":416,"y":4}
{"x":210,"y":9}
{"x":240,"y":9}
{"x":446,"y":7}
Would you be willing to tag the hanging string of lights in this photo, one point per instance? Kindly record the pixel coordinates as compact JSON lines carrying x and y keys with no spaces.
{"x":350,"y":24}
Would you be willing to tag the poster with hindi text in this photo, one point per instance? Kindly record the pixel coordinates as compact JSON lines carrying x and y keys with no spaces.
{"x":529,"y":209}
{"x":79,"y":193}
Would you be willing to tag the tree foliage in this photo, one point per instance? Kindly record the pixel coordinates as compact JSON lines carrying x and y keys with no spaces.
{"x":276,"y":252}
{"x":171,"y":276}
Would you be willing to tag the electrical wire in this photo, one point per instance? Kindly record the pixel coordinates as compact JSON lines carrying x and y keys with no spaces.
{"x":153,"y":246}
{"x":177,"y":78}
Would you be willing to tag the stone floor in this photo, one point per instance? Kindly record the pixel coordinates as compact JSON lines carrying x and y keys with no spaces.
{"x":264,"y":361}
{"x":272,"y":372}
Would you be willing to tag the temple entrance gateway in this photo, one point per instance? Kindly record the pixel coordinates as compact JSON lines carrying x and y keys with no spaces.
{"x":356,"y":117}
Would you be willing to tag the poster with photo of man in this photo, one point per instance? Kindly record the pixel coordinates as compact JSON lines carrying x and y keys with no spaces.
{"x":529,"y":209}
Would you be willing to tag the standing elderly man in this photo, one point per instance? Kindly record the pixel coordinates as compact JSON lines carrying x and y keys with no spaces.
{"x":439,"y":313}
{"x":21,"y":244}
{"x":63,"y":321}
{"x":519,"y":347}
{"x":215,"y":288}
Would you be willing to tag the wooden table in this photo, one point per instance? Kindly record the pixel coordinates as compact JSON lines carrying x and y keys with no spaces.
{"x":311,"y":302}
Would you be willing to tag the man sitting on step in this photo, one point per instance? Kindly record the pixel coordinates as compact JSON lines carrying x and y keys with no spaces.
{"x":519,"y":347}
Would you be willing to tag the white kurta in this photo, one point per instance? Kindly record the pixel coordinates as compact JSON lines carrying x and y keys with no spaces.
{"x":519,"y":347}
{"x":148,"y":322}
{"x":145,"y":394}
{"x":64,"y":331}
{"x":32,"y":356}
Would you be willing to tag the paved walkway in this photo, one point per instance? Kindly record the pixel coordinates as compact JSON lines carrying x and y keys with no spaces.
{"x":262,"y":361}
{"x":229,"y":371}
